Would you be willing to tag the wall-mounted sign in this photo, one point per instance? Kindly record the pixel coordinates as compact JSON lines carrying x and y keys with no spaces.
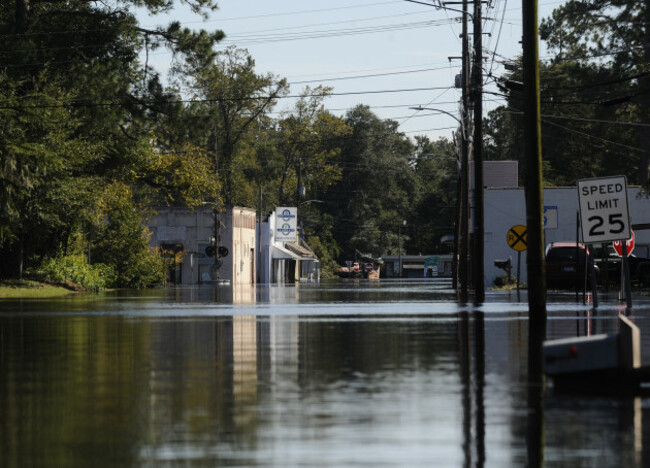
{"x":286,"y":224}
{"x":550,"y":217}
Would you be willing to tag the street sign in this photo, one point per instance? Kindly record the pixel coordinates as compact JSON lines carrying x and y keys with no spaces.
{"x":550,"y":217}
{"x":286,"y":224}
{"x":604,"y":212}
{"x":517,"y":237}
{"x":431,"y":261}
{"x":618,"y":245}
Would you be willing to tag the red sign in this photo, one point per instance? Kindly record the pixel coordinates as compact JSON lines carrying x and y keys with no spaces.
{"x":618,"y":245}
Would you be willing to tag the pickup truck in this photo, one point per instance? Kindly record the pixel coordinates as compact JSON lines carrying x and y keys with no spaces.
{"x":563,"y":270}
{"x":609,"y":267}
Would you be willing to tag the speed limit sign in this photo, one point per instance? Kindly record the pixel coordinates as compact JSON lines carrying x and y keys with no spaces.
{"x":604,"y":212}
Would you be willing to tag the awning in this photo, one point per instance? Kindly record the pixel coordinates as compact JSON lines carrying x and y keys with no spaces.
{"x":280,"y":253}
{"x":301,"y":249}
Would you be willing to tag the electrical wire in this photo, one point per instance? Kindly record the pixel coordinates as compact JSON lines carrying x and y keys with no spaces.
{"x":90,"y":102}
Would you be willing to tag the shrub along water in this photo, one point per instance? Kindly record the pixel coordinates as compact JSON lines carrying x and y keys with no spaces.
{"x":76,"y":269}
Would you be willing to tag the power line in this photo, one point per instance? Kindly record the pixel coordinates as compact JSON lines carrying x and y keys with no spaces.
{"x":356,"y":20}
{"x":90,"y":102}
{"x":271,"y":38}
{"x":292,"y":13}
{"x":374,"y":75}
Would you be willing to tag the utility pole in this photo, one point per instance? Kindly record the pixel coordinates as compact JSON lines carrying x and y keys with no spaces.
{"x":644,"y":82}
{"x":463,"y":270}
{"x":462,"y":225}
{"x":534,"y":206}
{"x":533,"y":156}
{"x":299,"y":188}
{"x":477,"y":94}
{"x":399,"y":249}
{"x":259,"y":236}
{"x":216,"y":209}
{"x":462,"y":233}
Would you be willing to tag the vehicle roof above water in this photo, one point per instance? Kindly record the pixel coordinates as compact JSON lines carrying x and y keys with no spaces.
{"x":580,"y":245}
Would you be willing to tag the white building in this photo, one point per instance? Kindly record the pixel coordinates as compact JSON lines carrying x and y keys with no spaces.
{"x":285,"y":262}
{"x":506,"y":207}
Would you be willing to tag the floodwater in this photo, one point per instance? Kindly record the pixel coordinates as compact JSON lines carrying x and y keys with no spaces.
{"x":347,"y":373}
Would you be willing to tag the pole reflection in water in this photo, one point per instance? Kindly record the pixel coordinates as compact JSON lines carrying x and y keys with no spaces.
{"x":479,"y":326}
{"x":465,"y":365}
{"x":473,"y":398}
{"x":536,"y":392}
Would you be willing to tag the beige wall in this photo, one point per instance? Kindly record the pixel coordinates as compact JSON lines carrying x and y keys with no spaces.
{"x":238,"y":231}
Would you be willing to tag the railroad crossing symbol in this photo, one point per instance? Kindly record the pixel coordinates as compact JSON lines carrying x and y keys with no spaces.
{"x":517,"y":238}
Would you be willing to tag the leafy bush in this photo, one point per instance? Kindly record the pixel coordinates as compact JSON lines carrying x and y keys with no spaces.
{"x":123,"y":241}
{"x":75,"y":269}
{"x":505,"y":282}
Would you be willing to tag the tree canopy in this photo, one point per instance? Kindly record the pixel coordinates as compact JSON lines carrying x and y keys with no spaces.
{"x":94,"y":138}
{"x":80,"y":113}
{"x":595,"y":94}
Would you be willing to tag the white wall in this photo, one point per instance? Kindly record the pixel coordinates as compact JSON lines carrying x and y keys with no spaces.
{"x":505,"y":208}
{"x":238,"y":235}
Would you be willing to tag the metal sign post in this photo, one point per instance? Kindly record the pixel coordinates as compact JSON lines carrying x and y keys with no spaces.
{"x":624,"y":249}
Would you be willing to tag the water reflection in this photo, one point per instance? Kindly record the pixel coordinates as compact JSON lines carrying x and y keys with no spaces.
{"x":290,"y":377}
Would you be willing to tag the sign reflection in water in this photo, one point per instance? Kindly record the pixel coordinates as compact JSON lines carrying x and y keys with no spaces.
{"x":376,"y":374}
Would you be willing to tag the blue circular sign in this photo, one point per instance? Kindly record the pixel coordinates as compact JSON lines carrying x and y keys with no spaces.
{"x":286,"y":229}
{"x":286,"y":215}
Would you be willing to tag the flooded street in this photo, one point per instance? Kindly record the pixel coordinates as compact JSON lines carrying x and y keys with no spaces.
{"x":347,"y":373}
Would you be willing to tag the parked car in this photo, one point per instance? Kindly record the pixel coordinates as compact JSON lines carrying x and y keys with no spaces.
{"x":565,"y":265}
{"x":562,"y":270}
{"x":640,"y":271}
{"x":609,"y":264}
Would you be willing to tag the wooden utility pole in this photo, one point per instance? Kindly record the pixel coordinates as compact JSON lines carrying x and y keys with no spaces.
{"x":463,"y":271}
{"x":644,"y":108}
{"x":533,"y":167}
{"x":535,"y":228}
{"x":477,"y":145}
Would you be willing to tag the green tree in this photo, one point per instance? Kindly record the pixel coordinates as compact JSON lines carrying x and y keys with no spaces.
{"x":580,"y":137}
{"x":376,"y":188}
{"x":609,"y":41}
{"x":235,"y":99}
{"x":43,"y":192}
{"x":79,"y":111}
{"x":308,"y":144}
{"x":434,"y":205}
{"x":123,"y":240}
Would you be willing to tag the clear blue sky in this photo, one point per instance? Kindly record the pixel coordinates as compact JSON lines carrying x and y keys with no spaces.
{"x":373,"y":52}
